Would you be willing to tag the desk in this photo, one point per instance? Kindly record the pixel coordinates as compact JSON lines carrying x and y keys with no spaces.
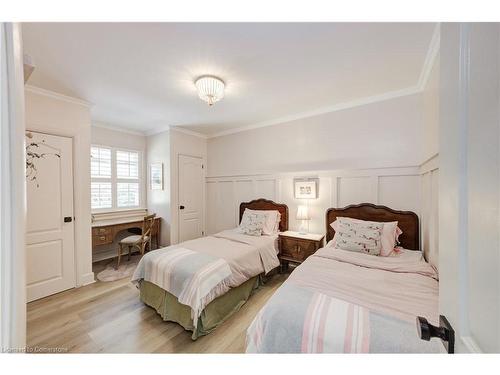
{"x":104,"y":232}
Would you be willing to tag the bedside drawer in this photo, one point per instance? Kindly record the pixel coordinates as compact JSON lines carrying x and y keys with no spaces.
{"x":297,"y":249}
{"x":102,"y":239}
{"x":101,"y":231}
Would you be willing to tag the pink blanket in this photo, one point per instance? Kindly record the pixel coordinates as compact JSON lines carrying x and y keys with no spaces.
{"x":403,"y":286}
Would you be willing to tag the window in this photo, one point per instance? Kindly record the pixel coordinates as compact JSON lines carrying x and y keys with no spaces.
{"x":116,"y":179}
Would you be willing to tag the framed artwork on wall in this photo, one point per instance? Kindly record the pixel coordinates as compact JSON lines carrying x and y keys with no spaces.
{"x":305,"y":188}
{"x":156,"y":176}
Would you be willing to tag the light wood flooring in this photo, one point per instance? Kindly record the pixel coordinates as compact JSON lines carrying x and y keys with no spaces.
{"x":108,"y":317}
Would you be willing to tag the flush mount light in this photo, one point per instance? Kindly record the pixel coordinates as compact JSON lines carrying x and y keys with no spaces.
{"x":210,"y":89}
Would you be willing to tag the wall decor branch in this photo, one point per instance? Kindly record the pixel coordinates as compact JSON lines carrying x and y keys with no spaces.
{"x":33,"y":154}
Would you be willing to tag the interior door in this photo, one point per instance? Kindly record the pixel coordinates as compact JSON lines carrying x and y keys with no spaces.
{"x":50,"y":229}
{"x":190,"y":197}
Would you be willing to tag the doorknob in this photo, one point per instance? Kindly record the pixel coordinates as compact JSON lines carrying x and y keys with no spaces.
{"x":181,"y":207}
{"x":68,"y":219}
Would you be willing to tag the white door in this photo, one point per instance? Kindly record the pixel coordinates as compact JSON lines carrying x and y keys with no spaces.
{"x":190,"y":197}
{"x":49,"y":229}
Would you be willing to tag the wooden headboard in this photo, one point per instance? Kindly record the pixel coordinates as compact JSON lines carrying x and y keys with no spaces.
{"x":264,"y":204}
{"x":407,"y":221}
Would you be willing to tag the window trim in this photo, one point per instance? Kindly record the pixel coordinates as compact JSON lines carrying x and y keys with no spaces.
{"x":115,"y":180}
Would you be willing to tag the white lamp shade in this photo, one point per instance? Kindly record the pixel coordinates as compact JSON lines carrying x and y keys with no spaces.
{"x":302,"y":213}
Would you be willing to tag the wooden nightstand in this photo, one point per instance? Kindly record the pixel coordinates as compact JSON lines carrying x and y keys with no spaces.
{"x":295,"y":247}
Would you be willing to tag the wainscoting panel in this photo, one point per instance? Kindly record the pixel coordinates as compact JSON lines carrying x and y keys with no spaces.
{"x":398,"y":188}
{"x":352,"y":190}
{"x":429,"y":211}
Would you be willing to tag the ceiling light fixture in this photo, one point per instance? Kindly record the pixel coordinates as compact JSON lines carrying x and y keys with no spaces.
{"x":210,"y":89}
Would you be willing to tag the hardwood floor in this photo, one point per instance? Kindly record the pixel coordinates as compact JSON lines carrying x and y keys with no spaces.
{"x":108,"y":317}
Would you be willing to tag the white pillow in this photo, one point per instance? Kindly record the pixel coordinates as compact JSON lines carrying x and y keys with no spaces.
{"x":389,"y":238}
{"x":252,"y":223}
{"x":271,"y":225}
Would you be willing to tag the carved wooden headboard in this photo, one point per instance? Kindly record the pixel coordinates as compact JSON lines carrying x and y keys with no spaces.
{"x":264,"y":204}
{"x":407,"y":221}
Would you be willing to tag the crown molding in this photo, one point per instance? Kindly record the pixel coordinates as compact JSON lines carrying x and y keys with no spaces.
{"x":158,"y":130}
{"x":56,"y":95}
{"x":117,"y":129}
{"x":322,"y":111}
{"x":430,"y":58}
{"x":189,"y":132}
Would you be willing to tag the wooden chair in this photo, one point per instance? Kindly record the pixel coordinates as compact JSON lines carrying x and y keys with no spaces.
{"x":139,"y":241}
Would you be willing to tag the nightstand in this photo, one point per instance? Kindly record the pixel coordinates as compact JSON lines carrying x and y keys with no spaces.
{"x":296,"y":247}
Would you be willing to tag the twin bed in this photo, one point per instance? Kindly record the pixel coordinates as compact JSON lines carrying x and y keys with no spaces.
{"x":340,"y":301}
{"x":336,"y":301}
{"x":200,"y":283}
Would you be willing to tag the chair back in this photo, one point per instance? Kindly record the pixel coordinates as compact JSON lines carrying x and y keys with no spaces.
{"x":147,"y":225}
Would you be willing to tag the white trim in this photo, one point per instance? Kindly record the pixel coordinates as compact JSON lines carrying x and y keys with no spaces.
{"x":321,"y":111}
{"x":86,"y":279}
{"x":96,"y":124}
{"x":158,"y":130}
{"x":430,"y":58}
{"x":189,"y":132}
{"x":430,"y":164}
{"x":56,"y":95}
{"x":470,"y":344}
{"x":179,"y":129}
{"x":12,"y":190}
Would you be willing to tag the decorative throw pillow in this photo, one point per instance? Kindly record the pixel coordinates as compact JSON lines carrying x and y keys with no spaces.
{"x":272,"y":218}
{"x":389,"y":236}
{"x":252,"y":223}
{"x":357,"y":236}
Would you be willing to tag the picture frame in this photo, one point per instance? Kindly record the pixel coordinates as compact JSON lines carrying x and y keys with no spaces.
{"x":156,"y":176}
{"x":305,"y":188}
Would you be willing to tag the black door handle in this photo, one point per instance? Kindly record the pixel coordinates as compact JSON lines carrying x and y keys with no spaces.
{"x":68,"y":219}
{"x":181,"y":207}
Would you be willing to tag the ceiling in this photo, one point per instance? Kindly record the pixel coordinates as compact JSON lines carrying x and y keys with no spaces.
{"x":139,"y":76}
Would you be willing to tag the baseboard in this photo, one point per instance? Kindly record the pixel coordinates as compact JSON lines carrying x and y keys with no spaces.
{"x":86,"y":279}
{"x":470,"y":344}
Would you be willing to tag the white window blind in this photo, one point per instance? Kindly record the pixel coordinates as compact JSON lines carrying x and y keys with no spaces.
{"x":127,"y":194}
{"x":116,"y":180}
{"x":100,"y":162}
{"x":127,"y":164}
{"x":101,"y":195}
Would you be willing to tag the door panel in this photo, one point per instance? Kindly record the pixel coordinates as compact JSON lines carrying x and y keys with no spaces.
{"x":49,"y":240}
{"x":190,"y":197}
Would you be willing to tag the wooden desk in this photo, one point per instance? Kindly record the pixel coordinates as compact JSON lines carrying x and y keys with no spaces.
{"x":104,"y":233}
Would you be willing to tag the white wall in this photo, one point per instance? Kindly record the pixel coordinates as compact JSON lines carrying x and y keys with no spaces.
{"x":182,"y":144}
{"x":158,"y":201}
{"x":51,"y":113}
{"x":381,"y":134}
{"x":469,"y":184}
{"x":400,"y":132}
{"x":430,"y":114}
{"x":398,"y":188}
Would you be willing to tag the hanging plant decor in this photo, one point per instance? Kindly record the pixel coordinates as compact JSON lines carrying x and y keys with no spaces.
{"x":33,"y":153}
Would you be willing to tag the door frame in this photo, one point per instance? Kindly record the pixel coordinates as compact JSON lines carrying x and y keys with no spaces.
{"x":13,"y":190}
{"x":75,"y":253}
{"x":203,"y":192}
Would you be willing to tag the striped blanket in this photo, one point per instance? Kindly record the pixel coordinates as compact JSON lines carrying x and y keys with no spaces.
{"x":301,"y":320}
{"x":191,"y":276}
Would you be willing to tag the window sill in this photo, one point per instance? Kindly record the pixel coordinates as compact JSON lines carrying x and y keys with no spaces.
{"x":118,"y":214}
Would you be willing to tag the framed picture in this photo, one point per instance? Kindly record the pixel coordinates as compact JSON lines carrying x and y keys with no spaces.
{"x":305,"y":188}
{"x":156,"y":176}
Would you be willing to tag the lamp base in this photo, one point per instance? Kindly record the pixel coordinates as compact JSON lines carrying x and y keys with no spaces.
{"x":303,"y":228}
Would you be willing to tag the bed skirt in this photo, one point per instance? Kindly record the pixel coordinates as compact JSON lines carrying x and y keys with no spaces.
{"x":214,"y":314}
